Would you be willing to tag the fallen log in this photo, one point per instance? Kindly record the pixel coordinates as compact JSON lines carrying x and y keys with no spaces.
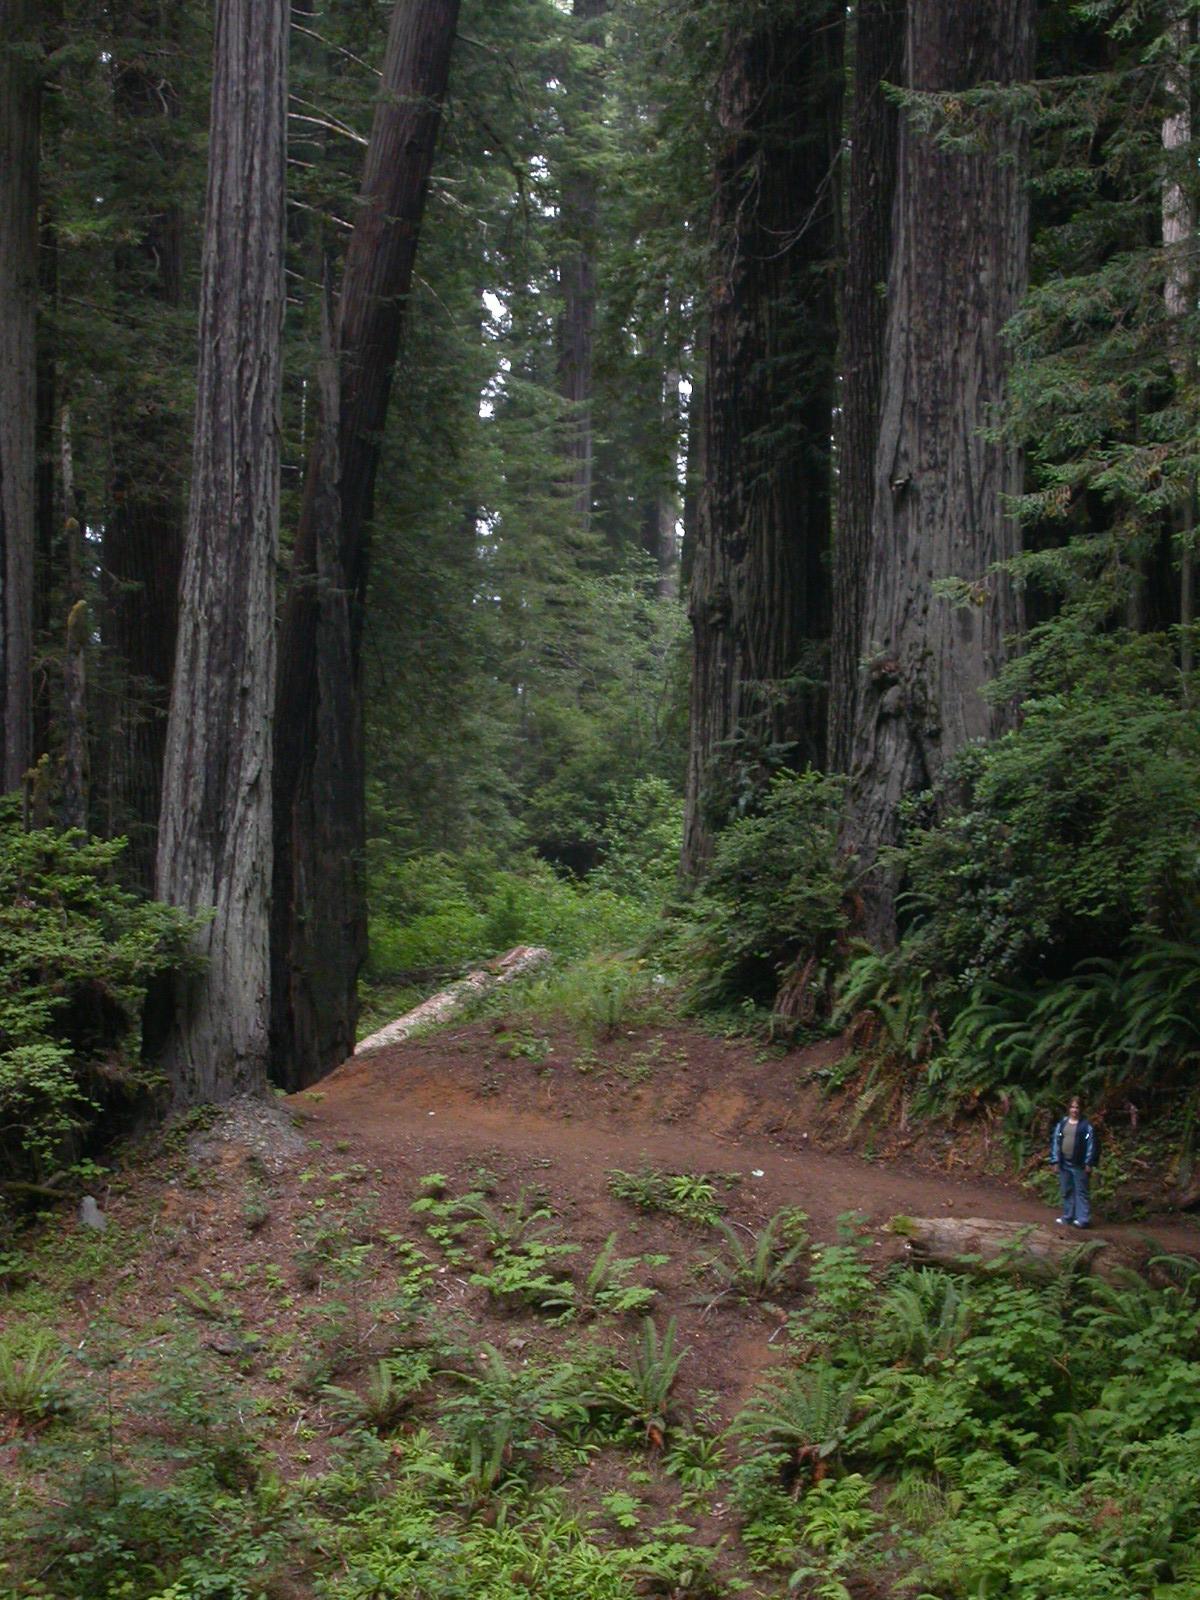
{"x":1032,"y":1250}
{"x":442,"y":1006}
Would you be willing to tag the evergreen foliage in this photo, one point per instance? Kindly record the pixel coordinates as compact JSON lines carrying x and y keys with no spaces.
{"x":77,"y":954}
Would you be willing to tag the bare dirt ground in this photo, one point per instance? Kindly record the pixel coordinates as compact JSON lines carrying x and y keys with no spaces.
{"x":545,"y":1112}
{"x":679,"y":1100}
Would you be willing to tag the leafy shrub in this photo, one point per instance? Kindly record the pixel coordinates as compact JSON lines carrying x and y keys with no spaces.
{"x":77,"y":952}
{"x":1074,"y":828}
{"x":433,"y":914}
{"x":772,"y":901}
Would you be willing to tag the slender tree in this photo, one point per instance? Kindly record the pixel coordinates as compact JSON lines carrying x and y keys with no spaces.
{"x":579,"y":217}
{"x":19,"y":119}
{"x":942,"y":483}
{"x":759,"y":600}
{"x":319,"y":914}
{"x":215,"y":834}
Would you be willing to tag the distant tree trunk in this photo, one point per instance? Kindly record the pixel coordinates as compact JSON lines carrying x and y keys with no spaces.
{"x":578,"y":220}
{"x":74,"y":777}
{"x":1179,"y":242}
{"x":873,"y":130}
{"x":215,"y":833}
{"x":48,"y":512}
{"x":318,"y":936}
{"x":758,"y":599}
{"x":660,"y":516}
{"x":19,"y":131}
{"x":958,"y":272}
{"x":693,"y":477}
{"x":143,"y":534}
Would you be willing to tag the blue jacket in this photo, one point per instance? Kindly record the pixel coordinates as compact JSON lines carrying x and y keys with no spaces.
{"x":1085,"y":1144}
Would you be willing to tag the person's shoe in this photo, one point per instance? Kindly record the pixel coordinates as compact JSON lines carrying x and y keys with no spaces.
{"x":1080,"y":1224}
{"x":1063,"y":1222}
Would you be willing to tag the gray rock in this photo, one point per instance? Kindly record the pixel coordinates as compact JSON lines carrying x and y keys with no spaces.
{"x":90,"y":1214}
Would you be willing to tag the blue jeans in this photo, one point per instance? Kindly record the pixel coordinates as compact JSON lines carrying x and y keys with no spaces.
{"x":1076,"y":1203}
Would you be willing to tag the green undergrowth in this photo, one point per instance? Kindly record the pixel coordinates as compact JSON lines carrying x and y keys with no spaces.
{"x":461,"y":1398}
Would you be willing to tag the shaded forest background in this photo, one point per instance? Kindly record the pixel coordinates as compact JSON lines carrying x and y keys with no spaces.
{"x":772,"y":553}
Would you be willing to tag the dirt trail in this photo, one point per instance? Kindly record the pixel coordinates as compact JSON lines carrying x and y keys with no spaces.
{"x":669,"y":1098}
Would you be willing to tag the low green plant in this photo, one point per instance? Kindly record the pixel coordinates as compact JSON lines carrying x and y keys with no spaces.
{"x":757,"y":1266}
{"x":391,"y":1391}
{"x":529,"y":1275}
{"x":639,"y":1392}
{"x":689,"y":1196}
{"x":207,"y":1301}
{"x":923,"y":1318}
{"x":804,"y":1414}
{"x":698,"y":1459}
{"x":838,"y":1529}
{"x":32,"y":1378}
{"x":508,"y":1227}
{"x":606,"y":1287}
{"x":623,"y":1508}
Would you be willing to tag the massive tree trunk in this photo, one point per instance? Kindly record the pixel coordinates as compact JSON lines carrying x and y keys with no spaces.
{"x":318,"y":937}
{"x":873,"y":129}
{"x":19,"y":109}
{"x":958,"y":271}
{"x":758,"y":599}
{"x":214,"y":846}
{"x":143,"y":536}
{"x":578,"y":220}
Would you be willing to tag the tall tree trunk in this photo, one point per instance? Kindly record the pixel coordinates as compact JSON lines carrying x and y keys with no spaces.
{"x":74,"y":768}
{"x":48,"y":513}
{"x":958,"y":271}
{"x":19,"y":120}
{"x":215,"y":833}
{"x":693,"y":485}
{"x":318,"y":937}
{"x":76,"y":658}
{"x":143,"y":535}
{"x":873,"y":130}
{"x":1179,"y":242}
{"x":758,"y":600}
{"x":578,"y":220}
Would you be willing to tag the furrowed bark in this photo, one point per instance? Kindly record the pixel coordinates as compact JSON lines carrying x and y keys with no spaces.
{"x":959,"y":268}
{"x":758,"y":601}
{"x":19,"y":135}
{"x":318,"y":937}
{"x":144,"y":530}
{"x":874,"y":127}
{"x":215,"y":835}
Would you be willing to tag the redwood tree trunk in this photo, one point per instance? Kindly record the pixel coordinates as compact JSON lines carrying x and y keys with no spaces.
{"x":958,"y":271}
{"x":143,"y":535}
{"x":19,"y":118}
{"x":215,"y":834}
{"x":758,"y":600}
{"x":873,"y":129}
{"x":318,"y":937}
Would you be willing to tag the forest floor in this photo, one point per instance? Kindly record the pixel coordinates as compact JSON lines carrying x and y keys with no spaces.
{"x":283,"y":1236}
